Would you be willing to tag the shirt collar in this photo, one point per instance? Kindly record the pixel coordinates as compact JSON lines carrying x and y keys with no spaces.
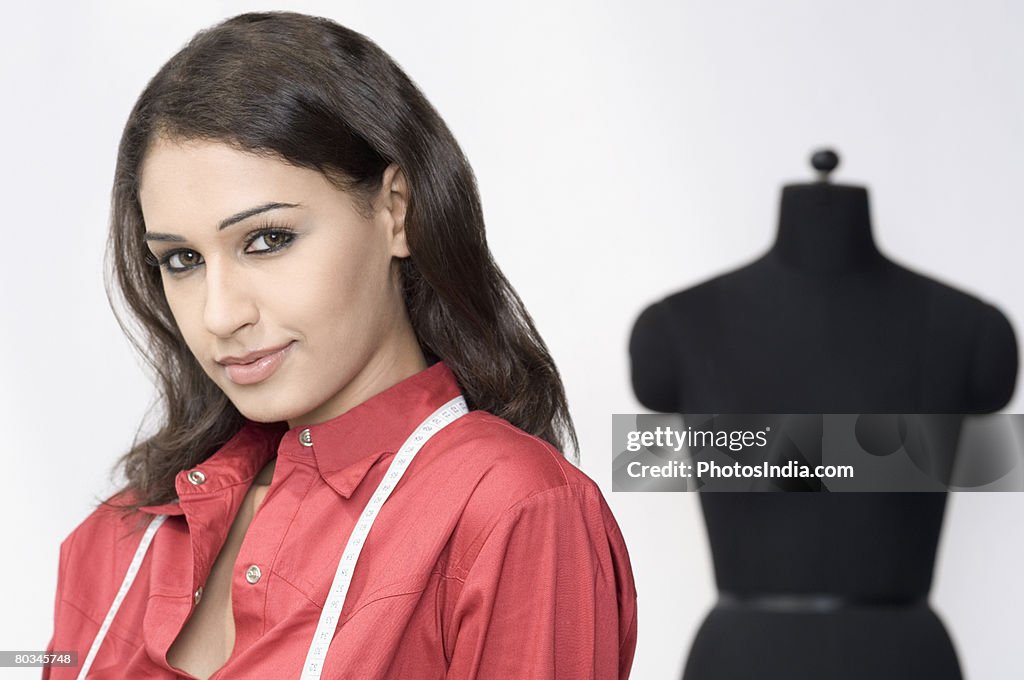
{"x":345,"y":447}
{"x":238,"y":461}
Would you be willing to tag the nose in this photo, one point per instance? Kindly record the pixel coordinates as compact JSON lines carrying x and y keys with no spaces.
{"x":230,"y":305}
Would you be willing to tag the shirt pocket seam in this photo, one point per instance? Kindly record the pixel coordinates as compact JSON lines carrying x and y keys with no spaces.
{"x":111,"y":631}
{"x":382,"y":593}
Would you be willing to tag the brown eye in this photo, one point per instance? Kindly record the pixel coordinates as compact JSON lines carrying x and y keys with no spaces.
{"x":269,"y":241}
{"x":181,"y":260}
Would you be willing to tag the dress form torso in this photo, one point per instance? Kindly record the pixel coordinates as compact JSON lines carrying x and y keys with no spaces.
{"x":823,"y":324}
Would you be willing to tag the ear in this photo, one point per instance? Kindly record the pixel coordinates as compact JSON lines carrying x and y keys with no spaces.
{"x":393,"y":200}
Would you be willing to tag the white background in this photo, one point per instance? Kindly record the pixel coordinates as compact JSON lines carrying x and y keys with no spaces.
{"x":623,"y":152}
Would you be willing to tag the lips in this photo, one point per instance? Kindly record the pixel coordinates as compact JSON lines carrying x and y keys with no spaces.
{"x":261,"y":365}
{"x":251,"y":356}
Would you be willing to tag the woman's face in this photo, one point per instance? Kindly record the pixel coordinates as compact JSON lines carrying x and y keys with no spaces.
{"x":287,"y":295}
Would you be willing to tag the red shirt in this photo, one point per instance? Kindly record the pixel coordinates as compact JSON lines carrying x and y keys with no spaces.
{"x":494,"y":557}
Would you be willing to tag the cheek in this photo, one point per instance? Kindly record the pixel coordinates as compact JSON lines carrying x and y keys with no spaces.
{"x":349,"y":308}
{"x":345,"y":290}
{"x":186,"y":317}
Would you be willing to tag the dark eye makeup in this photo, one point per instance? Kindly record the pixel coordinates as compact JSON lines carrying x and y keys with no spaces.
{"x":181,"y":260}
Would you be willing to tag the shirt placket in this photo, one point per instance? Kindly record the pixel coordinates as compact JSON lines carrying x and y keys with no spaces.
{"x":253,"y":573}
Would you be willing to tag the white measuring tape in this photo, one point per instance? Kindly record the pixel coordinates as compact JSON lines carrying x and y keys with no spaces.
{"x":331,"y":613}
{"x":133,"y":570}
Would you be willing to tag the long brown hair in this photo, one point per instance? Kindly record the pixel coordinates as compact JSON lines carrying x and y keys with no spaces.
{"x":318,"y":95}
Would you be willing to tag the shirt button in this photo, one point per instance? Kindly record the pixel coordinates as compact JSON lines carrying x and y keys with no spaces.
{"x":198,"y":595}
{"x":196,"y":477}
{"x":252,"y":574}
{"x":306,"y":437}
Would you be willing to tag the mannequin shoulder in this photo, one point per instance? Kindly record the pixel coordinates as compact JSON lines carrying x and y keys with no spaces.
{"x":979,"y":332}
{"x":994,"y":361}
{"x":699,"y":299}
{"x":939,"y":295}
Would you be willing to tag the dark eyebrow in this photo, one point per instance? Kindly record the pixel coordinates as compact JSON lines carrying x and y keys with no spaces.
{"x":225,"y":223}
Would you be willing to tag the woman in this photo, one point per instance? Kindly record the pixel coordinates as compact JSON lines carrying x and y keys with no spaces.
{"x":358,"y":470}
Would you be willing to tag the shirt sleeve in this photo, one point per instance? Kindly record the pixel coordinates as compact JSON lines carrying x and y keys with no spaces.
{"x":550,"y":595}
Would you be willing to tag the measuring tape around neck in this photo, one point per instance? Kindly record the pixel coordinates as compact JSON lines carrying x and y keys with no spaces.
{"x":331,"y":612}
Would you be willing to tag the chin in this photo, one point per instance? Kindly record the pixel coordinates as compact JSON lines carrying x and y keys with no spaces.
{"x":264,"y":410}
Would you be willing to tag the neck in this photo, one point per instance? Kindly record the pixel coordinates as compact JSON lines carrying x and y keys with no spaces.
{"x":825,"y":228}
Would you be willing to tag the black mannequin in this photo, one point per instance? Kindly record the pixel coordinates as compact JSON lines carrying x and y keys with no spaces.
{"x":819,"y":585}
